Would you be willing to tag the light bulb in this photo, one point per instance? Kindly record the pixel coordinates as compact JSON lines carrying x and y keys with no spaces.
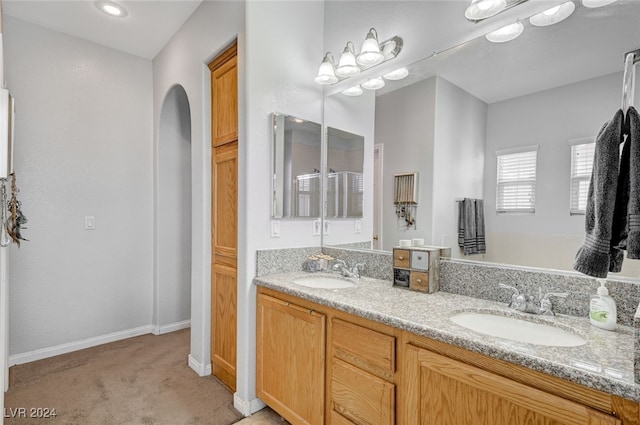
{"x":326,"y":72}
{"x":506,"y":33}
{"x":373,"y":84}
{"x":398,"y":74}
{"x":347,"y":66}
{"x":370,"y":53}
{"x":482,"y":9}
{"x":596,"y":3}
{"x":554,"y":15}
{"x":353,"y":91}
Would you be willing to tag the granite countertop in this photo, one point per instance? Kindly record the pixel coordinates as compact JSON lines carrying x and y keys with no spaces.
{"x":605,"y":362}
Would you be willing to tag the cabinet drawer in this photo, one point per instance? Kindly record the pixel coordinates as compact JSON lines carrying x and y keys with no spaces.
{"x":420,"y":260}
{"x":361,"y":397}
{"x":365,"y":348}
{"x":401,"y":258}
{"x":419,"y":281}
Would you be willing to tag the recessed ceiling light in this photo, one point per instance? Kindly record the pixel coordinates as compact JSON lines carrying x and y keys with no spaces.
{"x":111,"y":8}
{"x":553,"y":15}
{"x":507,"y":33}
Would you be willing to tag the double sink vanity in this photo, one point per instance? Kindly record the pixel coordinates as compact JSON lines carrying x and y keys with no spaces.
{"x":360,"y":351}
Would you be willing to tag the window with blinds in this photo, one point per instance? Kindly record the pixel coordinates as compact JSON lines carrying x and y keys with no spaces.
{"x":581,"y":165}
{"x":516,"y":186}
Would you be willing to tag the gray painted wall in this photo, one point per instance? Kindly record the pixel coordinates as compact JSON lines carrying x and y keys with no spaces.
{"x":83,"y":148}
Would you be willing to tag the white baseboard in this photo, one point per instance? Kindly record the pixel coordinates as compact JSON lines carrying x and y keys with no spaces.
{"x":247,"y":408}
{"x":172,"y":327}
{"x":68,"y":347}
{"x":199,"y":368}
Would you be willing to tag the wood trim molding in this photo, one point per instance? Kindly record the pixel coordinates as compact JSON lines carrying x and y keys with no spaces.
{"x":225,"y":56}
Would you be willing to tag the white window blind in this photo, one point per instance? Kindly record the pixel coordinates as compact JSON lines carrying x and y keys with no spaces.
{"x":516,"y":187}
{"x":581,"y":165}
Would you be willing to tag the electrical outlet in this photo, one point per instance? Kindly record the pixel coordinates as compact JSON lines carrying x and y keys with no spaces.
{"x":316,"y":227}
{"x":326,"y":228}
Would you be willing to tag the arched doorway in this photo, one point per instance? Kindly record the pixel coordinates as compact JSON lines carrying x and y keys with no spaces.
{"x":173,"y":216}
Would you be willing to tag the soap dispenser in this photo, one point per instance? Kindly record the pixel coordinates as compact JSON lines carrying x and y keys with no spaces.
{"x":602,"y":309}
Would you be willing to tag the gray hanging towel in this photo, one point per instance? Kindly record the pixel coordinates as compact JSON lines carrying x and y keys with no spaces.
{"x":461,"y":223}
{"x":633,"y":238}
{"x":480,"y":240}
{"x":593,"y":258}
{"x":471,"y":226}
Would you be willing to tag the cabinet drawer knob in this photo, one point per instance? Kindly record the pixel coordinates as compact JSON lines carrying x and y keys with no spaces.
{"x":401,"y":258}
{"x":419,"y":280}
{"x":419,"y":257}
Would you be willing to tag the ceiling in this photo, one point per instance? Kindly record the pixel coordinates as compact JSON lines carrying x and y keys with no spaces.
{"x":150,"y":24}
{"x":589,"y":44}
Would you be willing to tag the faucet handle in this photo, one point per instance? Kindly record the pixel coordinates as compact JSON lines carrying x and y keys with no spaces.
{"x":545,"y":302}
{"x":513,"y":288}
{"x":518,"y":300}
{"x":554,"y":294}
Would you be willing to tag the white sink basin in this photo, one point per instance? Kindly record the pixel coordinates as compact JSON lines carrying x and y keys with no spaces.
{"x":517,"y":329}
{"x":324,"y":282}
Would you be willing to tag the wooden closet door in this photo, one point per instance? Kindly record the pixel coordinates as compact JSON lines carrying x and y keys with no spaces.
{"x":224,"y":216}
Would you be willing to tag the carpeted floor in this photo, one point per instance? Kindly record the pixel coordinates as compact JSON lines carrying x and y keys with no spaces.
{"x":143,"y":380}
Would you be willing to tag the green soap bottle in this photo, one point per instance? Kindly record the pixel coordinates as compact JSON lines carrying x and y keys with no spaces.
{"x":602,"y":309}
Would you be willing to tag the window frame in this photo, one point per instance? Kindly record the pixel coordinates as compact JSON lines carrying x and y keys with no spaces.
{"x":527,"y":182}
{"x":574,"y":204}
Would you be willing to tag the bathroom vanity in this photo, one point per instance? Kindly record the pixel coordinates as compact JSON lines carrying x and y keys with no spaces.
{"x":377,"y":354}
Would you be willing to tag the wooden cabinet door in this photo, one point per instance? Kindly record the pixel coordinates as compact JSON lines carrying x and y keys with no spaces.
{"x":224,"y":94}
{"x":290,"y":360}
{"x":224,"y":270}
{"x":443,"y":391}
{"x":224,"y":215}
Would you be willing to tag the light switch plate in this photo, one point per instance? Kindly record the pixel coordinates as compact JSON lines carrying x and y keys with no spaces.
{"x":89,"y":222}
{"x":327,"y":227}
{"x":316,"y":227}
{"x":357,"y":226}
{"x":275,"y":228}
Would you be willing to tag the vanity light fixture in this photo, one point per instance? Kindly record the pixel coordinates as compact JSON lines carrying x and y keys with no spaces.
{"x":596,"y":3}
{"x":111,"y":8}
{"x":351,"y":64}
{"x":554,"y":15}
{"x":347,"y":66}
{"x":506,"y":33}
{"x":370,"y":54}
{"x":326,"y":73}
{"x":482,"y":9}
{"x":353,"y":91}
{"x":398,"y":74}
{"x":373,"y":84}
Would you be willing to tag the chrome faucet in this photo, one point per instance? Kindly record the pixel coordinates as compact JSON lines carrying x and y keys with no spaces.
{"x":526,"y":303}
{"x":348,"y":271}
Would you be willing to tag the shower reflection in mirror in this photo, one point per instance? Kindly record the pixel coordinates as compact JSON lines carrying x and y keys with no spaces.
{"x":296,"y":182}
{"x":345,"y":183}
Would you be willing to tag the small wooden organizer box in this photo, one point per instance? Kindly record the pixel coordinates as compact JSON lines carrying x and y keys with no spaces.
{"x":416,"y":268}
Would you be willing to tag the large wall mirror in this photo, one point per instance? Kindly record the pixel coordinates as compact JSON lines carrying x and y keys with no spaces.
{"x":551,"y":88}
{"x":297,"y":162}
